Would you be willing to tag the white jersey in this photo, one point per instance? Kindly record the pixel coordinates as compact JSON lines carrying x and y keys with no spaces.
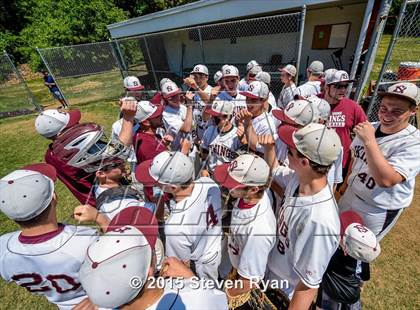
{"x":222,"y":147}
{"x":173,"y":120}
{"x":252,"y":236}
{"x":49,"y":264}
{"x":116,"y":130}
{"x":265,"y":124}
{"x":335,"y":174}
{"x":193,"y":229}
{"x":286,"y":95}
{"x":308,"y":229}
{"x":310,"y":88}
{"x":189,"y":294}
{"x":401,"y":150}
{"x":271,"y":100}
{"x":199,"y":106}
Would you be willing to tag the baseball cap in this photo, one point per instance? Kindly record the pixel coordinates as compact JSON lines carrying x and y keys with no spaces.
{"x":316,"y":67}
{"x":200,"y":69}
{"x":321,"y":107}
{"x":263,"y":77}
{"x":404,"y":90}
{"x":169,"y":89}
{"x":146,"y":110}
{"x":256,"y":89}
{"x":297,"y":112}
{"x":358,"y":241}
{"x":165,"y":168}
{"x":50,"y":123}
{"x":163,"y":81}
{"x":132,"y":83}
{"x":251,"y":64}
{"x":315,"y":141}
{"x":255,"y":70}
{"x":117,"y":265}
{"x":28,"y":191}
{"x":220,"y":107}
{"x":230,"y":71}
{"x":339,"y":76}
{"x":290,"y":69}
{"x":217,"y":76}
{"x":245,"y":170}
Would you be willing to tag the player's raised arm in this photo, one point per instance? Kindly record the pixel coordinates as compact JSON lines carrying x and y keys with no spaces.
{"x":128,"y":109}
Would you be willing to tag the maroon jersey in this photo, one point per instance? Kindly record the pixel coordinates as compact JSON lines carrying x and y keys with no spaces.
{"x":343,"y":118}
{"x":157,"y":99}
{"x":76,"y":180}
{"x":147,"y":146}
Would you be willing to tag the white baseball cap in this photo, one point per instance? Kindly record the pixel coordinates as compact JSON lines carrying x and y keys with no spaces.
{"x":28,"y":191}
{"x":358,"y":241}
{"x":117,"y":265}
{"x":404,"y":90}
{"x":146,"y":110}
{"x":297,"y":112}
{"x":200,"y":69}
{"x":170,"y":89}
{"x":315,"y":141}
{"x":50,"y":123}
{"x":230,"y":71}
{"x":217,"y":76}
{"x":339,"y":76}
{"x":163,"y":81}
{"x":290,"y":69}
{"x":220,"y":107}
{"x":322,"y":108}
{"x":316,"y":67}
{"x":256,"y":89}
{"x":251,"y":64}
{"x":255,"y":70}
{"x":263,"y":77}
{"x":245,"y":170}
{"x":132,"y":83}
{"x":165,"y":168}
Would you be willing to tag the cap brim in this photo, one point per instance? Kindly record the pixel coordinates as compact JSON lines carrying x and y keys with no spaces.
{"x":279,"y":114}
{"x":158,"y":112}
{"x":142,"y":173}
{"x":249,"y":95}
{"x":285,"y":133}
{"x":210,"y":111}
{"x":192,"y":72}
{"x":221,"y":176}
{"x":139,"y":217}
{"x":347,"y":218}
{"x":75,"y":117}
{"x":338,"y":82}
{"x":172,"y":94}
{"x":141,"y":87}
{"x":385,"y":93}
{"x":44,"y":169}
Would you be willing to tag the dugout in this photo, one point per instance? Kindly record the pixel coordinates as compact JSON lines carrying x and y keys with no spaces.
{"x":274,"y":33}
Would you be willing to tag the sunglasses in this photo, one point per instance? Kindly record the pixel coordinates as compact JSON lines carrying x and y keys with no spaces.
{"x":341,"y":86}
{"x":112,"y":166}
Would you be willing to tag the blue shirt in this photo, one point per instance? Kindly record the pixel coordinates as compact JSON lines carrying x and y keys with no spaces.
{"x":49,"y":79}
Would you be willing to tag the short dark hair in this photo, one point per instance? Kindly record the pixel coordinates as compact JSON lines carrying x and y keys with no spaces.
{"x":37,"y":220}
{"x":320,"y":169}
{"x":261,"y":189}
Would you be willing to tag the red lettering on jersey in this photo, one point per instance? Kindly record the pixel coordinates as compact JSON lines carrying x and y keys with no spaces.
{"x":211,"y":217}
{"x":291,"y":105}
{"x":121,"y":229}
{"x":251,"y":87}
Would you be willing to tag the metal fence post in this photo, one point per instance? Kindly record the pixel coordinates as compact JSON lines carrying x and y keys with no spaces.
{"x":388,"y":54}
{"x":118,"y":57}
{"x":31,"y":97}
{"x":373,"y":47}
{"x":151,"y":63}
{"x":300,"y":42}
{"x":50,"y":72}
{"x":360,"y":42}
{"x":203,"y":59}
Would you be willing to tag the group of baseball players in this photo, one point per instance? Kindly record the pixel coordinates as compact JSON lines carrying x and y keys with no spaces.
{"x":217,"y":197}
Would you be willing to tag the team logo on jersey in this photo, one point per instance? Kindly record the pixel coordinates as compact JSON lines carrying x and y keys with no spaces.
{"x":290,"y":106}
{"x":211,"y":217}
{"x":400,"y":89}
{"x":251,"y":87}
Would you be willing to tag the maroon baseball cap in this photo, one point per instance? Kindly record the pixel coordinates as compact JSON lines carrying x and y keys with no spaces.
{"x":45,"y":169}
{"x":285,"y":133}
{"x":347,"y":218}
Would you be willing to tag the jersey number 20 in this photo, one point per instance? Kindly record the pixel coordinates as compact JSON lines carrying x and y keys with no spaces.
{"x":35,"y":280}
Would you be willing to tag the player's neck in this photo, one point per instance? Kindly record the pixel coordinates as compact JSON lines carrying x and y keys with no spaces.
{"x":311,"y":184}
{"x":148,"y":298}
{"x":227,"y":127}
{"x":40,"y":229}
{"x":313,"y":78}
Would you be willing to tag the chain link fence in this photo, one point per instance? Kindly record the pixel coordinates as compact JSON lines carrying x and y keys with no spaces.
{"x":92,"y":72}
{"x":15,"y":96}
{"x":402,"y":59}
